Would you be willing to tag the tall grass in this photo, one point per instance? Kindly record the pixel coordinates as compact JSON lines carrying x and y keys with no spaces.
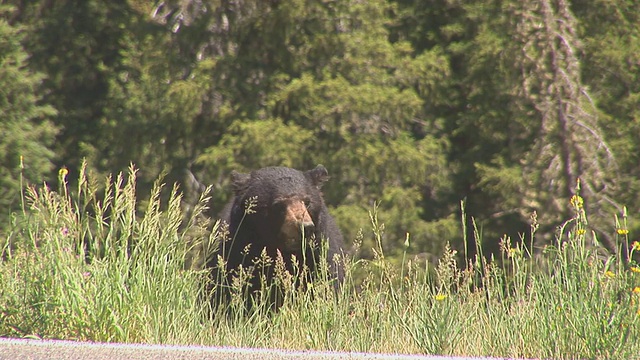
{"x":90,"y":269}
{"x":92,"y":266}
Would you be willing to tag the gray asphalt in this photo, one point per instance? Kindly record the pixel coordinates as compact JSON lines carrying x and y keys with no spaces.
{"x":18,"y":349}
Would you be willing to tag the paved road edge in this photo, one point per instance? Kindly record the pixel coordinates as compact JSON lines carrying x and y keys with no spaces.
{"x":59,"y":349}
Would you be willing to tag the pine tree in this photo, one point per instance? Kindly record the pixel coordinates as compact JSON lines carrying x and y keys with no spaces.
{"x":570,"y":145}
{"x":26,"y":132}
{"x":76,"y":44}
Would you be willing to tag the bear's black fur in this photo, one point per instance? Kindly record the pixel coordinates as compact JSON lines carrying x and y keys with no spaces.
{"x":279,"y":211}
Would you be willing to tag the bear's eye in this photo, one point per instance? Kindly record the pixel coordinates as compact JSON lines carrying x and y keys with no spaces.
{"x":280,"y":207}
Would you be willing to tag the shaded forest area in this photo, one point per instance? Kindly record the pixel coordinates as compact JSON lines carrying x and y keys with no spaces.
{"x":414,"y":106}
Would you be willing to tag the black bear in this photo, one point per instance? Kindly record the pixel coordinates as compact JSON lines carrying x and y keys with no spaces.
{"x":277,"y":212}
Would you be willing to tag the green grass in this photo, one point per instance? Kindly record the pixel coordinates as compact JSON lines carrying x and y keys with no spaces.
{"x":136,"y":285}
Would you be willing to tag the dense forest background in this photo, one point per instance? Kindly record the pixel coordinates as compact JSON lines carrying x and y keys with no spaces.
{"x":416,"y":107}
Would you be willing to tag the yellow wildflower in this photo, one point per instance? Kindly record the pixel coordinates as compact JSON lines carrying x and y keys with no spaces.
{"x":610,"y":274}
{"x":513,"y":252}
{"x":581,"y":232}
{"x":636,"y":290}
{"x":62,"y":173}
{"x":577,"y":201}
{"x":622,"y":231}
{"x":635,"y":245}
{"x":440,"y":297}
{"x":635,"y":269}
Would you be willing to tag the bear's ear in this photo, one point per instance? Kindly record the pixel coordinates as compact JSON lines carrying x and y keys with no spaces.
{"x":318,"y":175}
{"x":239,"y":181}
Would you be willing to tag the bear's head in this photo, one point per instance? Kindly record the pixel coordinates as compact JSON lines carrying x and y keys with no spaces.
{"x":279,"y":205}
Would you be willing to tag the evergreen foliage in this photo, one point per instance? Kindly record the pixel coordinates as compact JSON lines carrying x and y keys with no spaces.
{"x":26,"y":132}
{"x":413,"y":106}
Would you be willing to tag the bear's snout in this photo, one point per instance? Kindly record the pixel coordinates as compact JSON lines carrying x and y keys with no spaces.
{"x":296,"y":225}
{"x":308,"y":228}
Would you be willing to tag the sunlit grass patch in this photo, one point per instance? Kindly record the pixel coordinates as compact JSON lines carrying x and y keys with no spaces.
{"x":91,"y":269}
